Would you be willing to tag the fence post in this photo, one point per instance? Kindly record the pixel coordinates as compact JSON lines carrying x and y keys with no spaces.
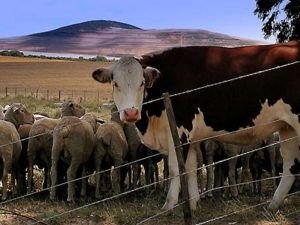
{"x":59,"y":95}
{"x":47,"y":95}
{"x":178,"y":148}
{"x":6,"y":92}
{"x":37,"y":93}
{"x":25,"y":92}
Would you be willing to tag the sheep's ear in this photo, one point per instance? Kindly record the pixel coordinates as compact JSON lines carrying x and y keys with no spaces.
{"x":101,"y":121}
{"x":102,"y":75}
{"x":151,"y":75}
{"x":108,"y":105}
{"x":15,"y":108}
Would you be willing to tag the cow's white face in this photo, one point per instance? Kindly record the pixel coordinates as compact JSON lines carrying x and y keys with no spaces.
{"x":129,"y":81}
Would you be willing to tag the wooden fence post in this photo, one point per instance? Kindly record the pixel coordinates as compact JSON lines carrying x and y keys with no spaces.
{"x":178,"y":147}
{"x":59,"y":95}
{"x":6,"y":92}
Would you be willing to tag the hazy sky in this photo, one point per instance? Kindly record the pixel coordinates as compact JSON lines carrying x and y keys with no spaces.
{"x":233,"y":17}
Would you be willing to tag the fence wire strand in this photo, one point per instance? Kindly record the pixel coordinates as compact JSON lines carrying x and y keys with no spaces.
{"x":174,"y":95}
{"x":148,"y":157}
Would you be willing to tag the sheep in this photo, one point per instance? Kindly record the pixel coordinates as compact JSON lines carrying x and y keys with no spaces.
{"x":133,"y":142}
{"x":1,"y":113}
{"x":216,"y":151}
{"x":110,"y":143}
{"x":268,"y":158}
{"x":10,"y":150}
{"x":40,"y":141}
{"x":70,"y":108}
{"x":149,"y":164}
{"x":24,"y":134}
{"x":73,"y":142}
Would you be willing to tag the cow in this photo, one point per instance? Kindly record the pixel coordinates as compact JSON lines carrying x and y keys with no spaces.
{"x":225,"y":104}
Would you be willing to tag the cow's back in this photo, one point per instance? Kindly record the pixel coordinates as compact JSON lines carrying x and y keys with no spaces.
{"x":187,"y":68}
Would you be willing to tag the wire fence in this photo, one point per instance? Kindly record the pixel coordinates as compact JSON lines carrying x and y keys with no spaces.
{"x":136,"y":161}
{"x":146,"y":186}
{"x":51,"y":94}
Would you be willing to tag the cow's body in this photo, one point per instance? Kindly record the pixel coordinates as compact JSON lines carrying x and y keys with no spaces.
{"x":268,"y":101}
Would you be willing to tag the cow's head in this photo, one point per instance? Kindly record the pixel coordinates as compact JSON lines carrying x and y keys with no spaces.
{"x":129,"y":79}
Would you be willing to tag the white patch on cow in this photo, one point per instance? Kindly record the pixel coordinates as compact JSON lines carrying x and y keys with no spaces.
{"x":128,"y":89}
{"x":182,"y":131}
{"x":270,"y":119}
{"x":199,"y":128}
{"x":191,"y":169}
{"x":158,"y":133}
{"x":289,"y":151}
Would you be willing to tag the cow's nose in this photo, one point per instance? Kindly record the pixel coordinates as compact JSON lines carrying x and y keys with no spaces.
{"x":131,"y":115}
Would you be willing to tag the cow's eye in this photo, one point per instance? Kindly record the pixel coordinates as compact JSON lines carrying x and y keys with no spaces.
{"x":115,"y":84}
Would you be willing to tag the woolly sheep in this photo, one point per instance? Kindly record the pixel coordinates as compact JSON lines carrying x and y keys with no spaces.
{"x":40,"y":141}
{"x":1,"y":113}
{"x":15,"y":115}
{"x":73,"y":142}
{"x":110,"y":142}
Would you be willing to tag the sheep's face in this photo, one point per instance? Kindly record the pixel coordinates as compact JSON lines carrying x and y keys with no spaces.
{"x":18,"y":114}
{"x":71,"y":108}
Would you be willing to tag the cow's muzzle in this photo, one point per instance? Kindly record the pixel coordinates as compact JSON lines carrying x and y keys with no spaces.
{"x":131,"y":115}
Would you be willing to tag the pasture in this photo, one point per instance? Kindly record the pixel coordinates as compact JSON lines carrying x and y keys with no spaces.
{"x":130,"y":208}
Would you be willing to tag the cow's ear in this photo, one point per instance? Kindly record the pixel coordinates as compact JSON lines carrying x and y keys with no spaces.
{"x":102,"y":75}
{"x":151,"y":75}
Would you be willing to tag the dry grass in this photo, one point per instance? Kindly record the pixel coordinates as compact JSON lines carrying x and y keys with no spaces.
{"x":126,"y":210}
{"x":26,"y":59}
{"x":36,"y":74}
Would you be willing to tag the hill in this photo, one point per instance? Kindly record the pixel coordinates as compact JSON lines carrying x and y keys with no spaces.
{"x":101,"y":37}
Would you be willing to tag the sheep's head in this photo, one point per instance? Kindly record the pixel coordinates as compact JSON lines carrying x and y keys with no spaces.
{"x":18,"y":115}
{"x":70,"y":108}
{"x":1,"y":113}
{"x":91,"y":119}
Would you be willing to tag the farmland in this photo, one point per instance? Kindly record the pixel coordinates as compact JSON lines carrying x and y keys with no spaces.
{"x":129,"y":209}
{"x":18,"y":73}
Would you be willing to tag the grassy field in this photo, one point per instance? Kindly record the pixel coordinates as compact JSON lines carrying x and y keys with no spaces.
{"x":128,"y":209}
{"x":71,"y":77}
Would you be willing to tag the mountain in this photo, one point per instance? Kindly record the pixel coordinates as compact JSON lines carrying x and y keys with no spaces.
{"x":111,"y":38}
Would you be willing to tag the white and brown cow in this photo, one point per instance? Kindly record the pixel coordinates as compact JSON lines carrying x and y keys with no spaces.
{"x":269,"y":102}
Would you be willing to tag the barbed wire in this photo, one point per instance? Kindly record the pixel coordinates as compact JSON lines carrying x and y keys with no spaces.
{"x":207,"y":86}
{"x":140,"y":188}
{"x":242,"y":210}
{"x":148,"y":157}
{"x":144,"y":158}
{"x":215,"y":189}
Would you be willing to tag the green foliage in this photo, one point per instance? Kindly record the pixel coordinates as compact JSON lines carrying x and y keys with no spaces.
{"x":280,"y":18}
{"x":12,"y":53}
{"x":16,"y":53}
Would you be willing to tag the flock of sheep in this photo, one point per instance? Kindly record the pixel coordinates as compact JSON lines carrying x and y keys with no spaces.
{"x":78,"y":144}
{"x":75,"y":145}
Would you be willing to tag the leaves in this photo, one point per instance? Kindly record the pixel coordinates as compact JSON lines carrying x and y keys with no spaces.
{"x":280,"y":18}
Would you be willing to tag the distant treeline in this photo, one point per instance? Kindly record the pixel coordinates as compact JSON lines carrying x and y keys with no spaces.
{"x":80,"y":58}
